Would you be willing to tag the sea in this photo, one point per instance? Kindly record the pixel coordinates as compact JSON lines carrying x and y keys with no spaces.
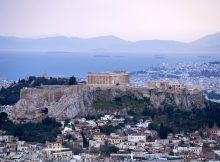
{"x":17,"y":65}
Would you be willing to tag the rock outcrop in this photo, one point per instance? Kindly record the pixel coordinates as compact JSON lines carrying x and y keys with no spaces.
{"x":63,"y":102}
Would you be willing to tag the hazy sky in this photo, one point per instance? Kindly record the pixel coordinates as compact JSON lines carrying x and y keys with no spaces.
{"x":183,"y":20}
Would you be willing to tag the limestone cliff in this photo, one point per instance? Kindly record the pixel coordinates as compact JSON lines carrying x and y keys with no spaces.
{"x":69,"y":101}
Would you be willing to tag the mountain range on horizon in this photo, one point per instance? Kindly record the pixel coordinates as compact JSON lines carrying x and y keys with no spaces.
{"x":206,"y":44}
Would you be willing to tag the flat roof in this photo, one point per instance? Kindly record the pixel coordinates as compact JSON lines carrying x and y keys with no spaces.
{"x":109,"y":73}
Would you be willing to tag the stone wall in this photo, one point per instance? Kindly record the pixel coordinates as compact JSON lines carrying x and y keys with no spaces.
{"x":50,"y":93}
{"x":172,"y":86}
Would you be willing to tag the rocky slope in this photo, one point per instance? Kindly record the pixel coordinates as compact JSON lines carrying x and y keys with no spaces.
{"x":68,"y":102}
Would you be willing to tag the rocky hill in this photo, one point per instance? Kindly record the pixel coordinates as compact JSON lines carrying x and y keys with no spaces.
{"x":63,"y":102}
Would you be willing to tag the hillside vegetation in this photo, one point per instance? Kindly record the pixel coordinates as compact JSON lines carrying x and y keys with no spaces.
{"x":173,"y":118}
{"x":121,"y":102}
{"x":180,"y":120}
{"x":10,"y":95}
{"x":47,"y":130}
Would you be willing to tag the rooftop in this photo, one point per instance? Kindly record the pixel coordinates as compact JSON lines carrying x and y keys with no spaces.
{"x":108,"y":72}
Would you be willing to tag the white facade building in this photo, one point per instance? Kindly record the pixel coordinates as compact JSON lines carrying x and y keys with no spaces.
{"x":107,"y":117}
{"x":143,"y":124}
{"x":195,"y":150}
{"x":215,"y":131}
{"x":136,"y":137}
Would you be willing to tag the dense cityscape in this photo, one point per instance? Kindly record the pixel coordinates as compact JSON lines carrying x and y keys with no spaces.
{"x":206,"y":75}
{"x":97,"y":140}
{"x":130,"y":136}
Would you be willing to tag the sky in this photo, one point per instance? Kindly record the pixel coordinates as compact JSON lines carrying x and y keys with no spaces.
{"x":180,"y":20}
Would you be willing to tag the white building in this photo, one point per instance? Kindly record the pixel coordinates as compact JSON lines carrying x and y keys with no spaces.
{"x":162,"y":141}
{"x":91,"y":123}
{"x":95,"y":144}
{"x":136,"y":137}
{"x":6,"y":138}
{"x":55,"y":150}
{"x":66,"y":130}
{"x":119,"y":119}
{"x":22,"y":148}
{"x":195,"y":150}
{"x":107,"y":117}
{"x":215,"y":131}
{"x":143,"y":124}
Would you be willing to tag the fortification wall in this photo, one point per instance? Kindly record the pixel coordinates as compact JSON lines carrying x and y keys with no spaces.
{"x":51,"y":93}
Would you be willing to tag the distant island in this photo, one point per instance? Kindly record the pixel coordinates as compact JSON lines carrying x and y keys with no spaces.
{"x":102,"y":56}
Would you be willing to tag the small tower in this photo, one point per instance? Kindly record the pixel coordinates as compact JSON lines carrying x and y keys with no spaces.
{"x":45,"y":75}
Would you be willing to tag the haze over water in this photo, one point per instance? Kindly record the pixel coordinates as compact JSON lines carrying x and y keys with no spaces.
{"x":15,"y":65}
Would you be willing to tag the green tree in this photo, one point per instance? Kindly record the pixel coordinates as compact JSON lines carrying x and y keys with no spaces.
{"x":72,"y":80}
{"x":3,"y":117}
{"x":70,"y":137}
{"x":108,"y":129}
{"x":66,"y":122}
{"x":113,"y":149}
{"x":163,"y":132}
{"x":153,"y":126}
{"x":108,"y":149}
{"x":33,"y":132}
{"x":85,"y":141}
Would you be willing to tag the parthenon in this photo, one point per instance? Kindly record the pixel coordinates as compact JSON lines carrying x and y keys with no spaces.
{"x":108,"y":78}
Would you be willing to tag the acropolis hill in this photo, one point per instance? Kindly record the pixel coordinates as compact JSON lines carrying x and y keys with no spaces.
{"x":63,"y":102}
